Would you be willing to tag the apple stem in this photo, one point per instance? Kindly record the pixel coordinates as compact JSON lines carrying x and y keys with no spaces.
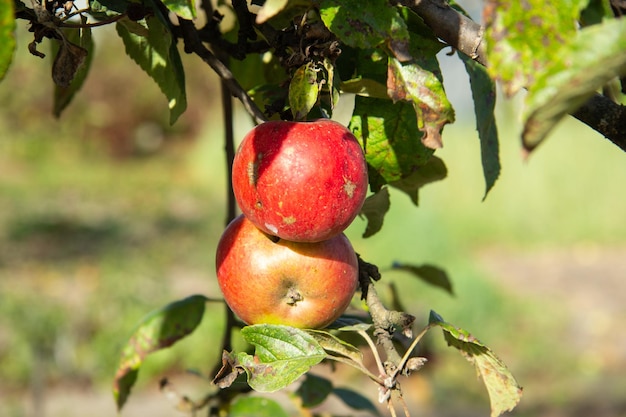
{"x":372,"y":345}
{"x":358,"y":366}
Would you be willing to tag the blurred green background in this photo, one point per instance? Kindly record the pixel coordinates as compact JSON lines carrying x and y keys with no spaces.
{"x":108,"y":213}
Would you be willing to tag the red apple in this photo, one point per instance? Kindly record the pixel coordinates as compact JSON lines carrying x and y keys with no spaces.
{"x":300,"y":181}
{"x":269,"y":280}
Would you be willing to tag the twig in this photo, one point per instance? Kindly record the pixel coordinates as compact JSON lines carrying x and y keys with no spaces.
{"x":370,"y":342}
{"x":358,"y":366}
{"x":193,"y":44}
{"x":465,"y":35}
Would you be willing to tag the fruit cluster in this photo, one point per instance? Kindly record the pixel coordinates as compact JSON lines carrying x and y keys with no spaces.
{"x":285,"y":259}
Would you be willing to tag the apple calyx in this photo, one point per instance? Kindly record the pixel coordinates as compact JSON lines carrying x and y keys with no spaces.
{"x":293,"y":296}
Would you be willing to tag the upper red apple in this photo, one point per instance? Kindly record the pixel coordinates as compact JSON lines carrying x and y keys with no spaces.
{"x":274,"y":281}
{"x":300,"y":181}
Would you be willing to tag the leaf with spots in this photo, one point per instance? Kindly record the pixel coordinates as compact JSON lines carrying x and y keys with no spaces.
{"x":504,"y":391}
{"x":522,"y":37}
{"x":282,"y":354}
{"x":417,"y":79}
{"x":303,"y":90}
{"x":386,"y":131}
{"x":63,"y":94}
{"x":595,"y":56}
{"x":159,"y":330}
{"x":420,"y":87}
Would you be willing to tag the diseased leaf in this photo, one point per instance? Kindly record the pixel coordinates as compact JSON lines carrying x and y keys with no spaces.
{"x":68,"y":60}
{"x":303,"y":90}
{"x":158,"y":56}
{"x":484,"y":95}
{"x":63,"y":95}
{"x":365,"y":24}
{"x":7,"y":35}
{"x":282,"y":355}
{"x":374,"y":209}
{"x":159,"y":330}
{"x":183,"y":8}
{"x":410,"y":82}
{"x":578,"y":70}
{"x":314,"y":390}
{"x":433,"y":170}
{"x":393,"y":147}
{"x":504,"y":391}
{"x":257,"y":407}
{"x":430,"y":274}
{"x":521,"y":37}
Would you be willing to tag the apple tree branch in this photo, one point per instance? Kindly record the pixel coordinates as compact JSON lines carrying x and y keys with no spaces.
{"x":460,"y":32}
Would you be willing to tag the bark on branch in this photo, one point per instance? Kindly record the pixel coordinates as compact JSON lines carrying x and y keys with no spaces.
{"x":600,"y":113}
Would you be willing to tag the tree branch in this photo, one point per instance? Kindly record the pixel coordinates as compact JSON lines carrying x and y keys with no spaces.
{"x":466,"y":36}
{"x":193,"y":44}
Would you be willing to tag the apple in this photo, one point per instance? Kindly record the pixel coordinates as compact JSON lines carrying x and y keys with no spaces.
{"x":265,"y":279}
{"x":300,"y":181}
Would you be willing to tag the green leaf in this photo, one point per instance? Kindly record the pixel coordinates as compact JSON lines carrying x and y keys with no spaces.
{"x":521,"y":37}
{"x":504,"y":391}
{"x":433,"y":170}
{"x":157,"y":55}
{"x":282,"y":355}
{"x":64,"y":95}
{"x":314,"y":390}
{"x":430,"y":274}
{"x":103,"y":9}
{"x":257,"y":407}
{"x":365,"y":24}
{"x":364,"y":87}
{"x":303,"y":90}
{"x":158,"y":330}
{"x":356,"y":400}
{"x":484,"y":95}
{"x":595,"y":12}
{"x":374,"y":209}
{"x":183,"y":8}
{"x":594,"y":56}
{"x":7,"y":35}
{"x":392,"y":144}
{"x":333,"y":344}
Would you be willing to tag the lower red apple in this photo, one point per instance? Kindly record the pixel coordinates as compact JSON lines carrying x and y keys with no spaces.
{"x":300,"y":181}
{"x":274,"y":281}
